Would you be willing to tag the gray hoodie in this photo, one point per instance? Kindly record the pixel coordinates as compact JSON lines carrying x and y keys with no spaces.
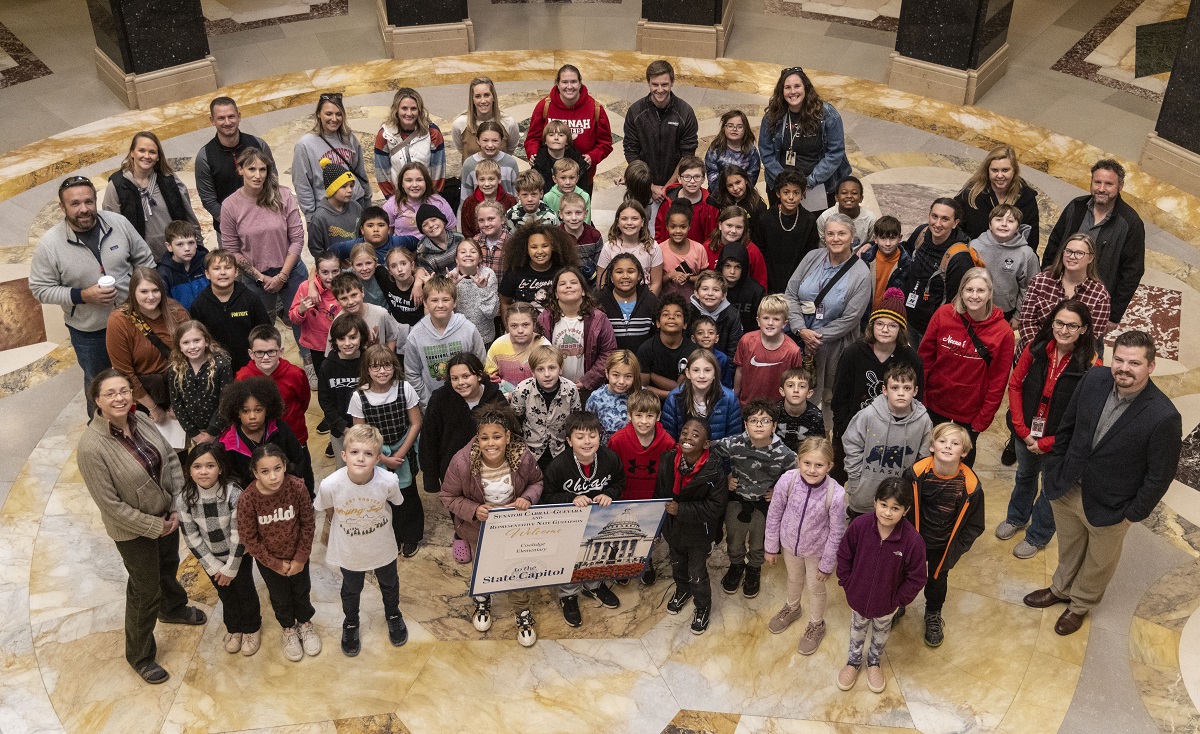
{"x":327,"y":226}
{"x":426,"y":352}
{"x":878,"y":445}
{"x":1011,"y":264}
{"x":308,"y":179}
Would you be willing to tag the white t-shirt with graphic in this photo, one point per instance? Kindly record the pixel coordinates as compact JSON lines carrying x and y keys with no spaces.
{"x":568,"y":337}
{"x":361,"y":537}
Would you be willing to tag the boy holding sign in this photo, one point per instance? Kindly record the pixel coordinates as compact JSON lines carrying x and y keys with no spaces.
{"x":588,"y":473}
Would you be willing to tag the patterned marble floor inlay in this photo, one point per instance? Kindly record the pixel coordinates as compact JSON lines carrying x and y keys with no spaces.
{"x":17,"y":62}
{"x":231,"y":16}
{"x":882,"y":15}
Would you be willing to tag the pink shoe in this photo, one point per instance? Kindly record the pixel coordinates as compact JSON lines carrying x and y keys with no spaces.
{"x":461,"y":551}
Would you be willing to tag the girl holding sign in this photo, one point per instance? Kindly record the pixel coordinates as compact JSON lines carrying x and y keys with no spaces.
{"x":494,"y":470}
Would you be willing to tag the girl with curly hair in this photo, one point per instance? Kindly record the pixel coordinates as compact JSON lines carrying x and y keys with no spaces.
{"x":253,"y":410}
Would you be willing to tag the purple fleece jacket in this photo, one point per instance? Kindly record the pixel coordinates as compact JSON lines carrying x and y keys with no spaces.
{"x":803,"y":522}
{"x":880,"y":575}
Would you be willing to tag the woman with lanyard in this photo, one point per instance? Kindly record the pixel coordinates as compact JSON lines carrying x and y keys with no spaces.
{"x":407,"y":135}
{"x":570,"y":102}
{"x":827,"y":296}
{"x":483,"y":104}
{"x":262,"y":226}
{"x":134,"y":477}
{"x":967,"y":352}
{"x":332,"y":138}
{"x":998,"y":181}
{"x":140,"y":337}
{"x":1041,"y":386}
{"x":802,"y":131}
{"x":146,"y":192}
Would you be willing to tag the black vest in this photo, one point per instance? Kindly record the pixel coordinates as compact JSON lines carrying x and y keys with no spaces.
{"x":131,"y":200}
{"x":1035,"y":381}
{"x":222,"y":164}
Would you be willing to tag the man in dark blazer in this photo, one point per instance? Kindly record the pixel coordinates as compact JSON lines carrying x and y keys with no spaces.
{"x":1115,"y":453}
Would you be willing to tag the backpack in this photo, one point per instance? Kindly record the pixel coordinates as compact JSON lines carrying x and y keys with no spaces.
{"x":956,"y":248}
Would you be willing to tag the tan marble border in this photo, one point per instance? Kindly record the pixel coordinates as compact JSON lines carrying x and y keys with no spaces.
{"x":1154,"y":636}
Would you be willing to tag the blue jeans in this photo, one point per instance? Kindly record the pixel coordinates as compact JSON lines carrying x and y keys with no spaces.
{"x":1026,"y":502}
{"x":277,"y":304}
{"x":91,"y":351}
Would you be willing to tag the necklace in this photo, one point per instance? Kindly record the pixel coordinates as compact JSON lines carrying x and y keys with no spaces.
{"x":784,"y":227}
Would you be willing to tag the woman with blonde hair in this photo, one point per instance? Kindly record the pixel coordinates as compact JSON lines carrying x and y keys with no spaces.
{"x":147,"y":193}
{"x":1073,"y":275}
{"x":967,"y":353}
{"x":332,"y":138}
{"x":483,"y":104}
{"x":998,"y":181}
{"x":408,"y":135}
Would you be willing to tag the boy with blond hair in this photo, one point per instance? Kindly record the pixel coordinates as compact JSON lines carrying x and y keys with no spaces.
{"x":764,"y":355}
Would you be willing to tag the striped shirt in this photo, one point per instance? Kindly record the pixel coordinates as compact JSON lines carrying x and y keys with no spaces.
{"x":139,"y":448}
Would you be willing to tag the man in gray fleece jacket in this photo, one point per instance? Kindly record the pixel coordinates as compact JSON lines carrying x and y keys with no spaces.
{"x":884,"y":439}
{"x":69,"y":261}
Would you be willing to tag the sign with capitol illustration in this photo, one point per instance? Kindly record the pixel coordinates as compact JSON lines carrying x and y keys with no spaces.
{"x":550,"y":545}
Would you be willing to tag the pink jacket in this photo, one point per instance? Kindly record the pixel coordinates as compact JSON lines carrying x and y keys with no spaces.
{"x":315,"y":322}
{"x":804,"y":522}
{"x":599,"y":342}
{"x":462,"y":491}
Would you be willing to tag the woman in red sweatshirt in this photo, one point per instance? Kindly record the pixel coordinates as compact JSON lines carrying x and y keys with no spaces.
{"x":570,"y":102}
{"x":967,"y":352}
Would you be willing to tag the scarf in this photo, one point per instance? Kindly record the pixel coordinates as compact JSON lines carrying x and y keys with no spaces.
{"x":683,"y":477}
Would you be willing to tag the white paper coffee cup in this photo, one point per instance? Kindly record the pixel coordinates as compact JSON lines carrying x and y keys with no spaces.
{"x":107,"y":281}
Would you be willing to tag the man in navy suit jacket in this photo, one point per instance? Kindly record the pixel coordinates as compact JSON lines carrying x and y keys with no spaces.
{"x":1115,"y":453}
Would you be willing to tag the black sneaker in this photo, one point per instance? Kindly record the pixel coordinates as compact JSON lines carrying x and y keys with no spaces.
{"x":329,"y":451}
{"x":649,"y":576}
{"x":934,"y":629}
{"x":397,"y":630}
{"x":700,"y":621}
{"x":1008,"y":456}
{"x":898,"y":615}
{"x":570,"y":610}
{"x":408,"y":550}
{"x":678,"y":601}
{"x":733,"y":578}
{"x":751,"y":585}
{"x":322,"y":427}
{"x":604,"y":595}
{"x":351,"y":642}
{"x":623,"y":582}
{"x":192,"y":616}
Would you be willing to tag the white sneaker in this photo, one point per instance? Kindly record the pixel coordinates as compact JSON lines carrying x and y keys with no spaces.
{"x":233,"y":642}
{"x":525,"y":633}
{"x":251,"y":641}
{"x":310,"y":638}
{"x":482,"y":618}
{"x":311,"y":372}
{"x":291,"y":645}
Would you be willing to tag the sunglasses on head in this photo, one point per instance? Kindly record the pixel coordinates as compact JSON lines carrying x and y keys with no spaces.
{"x":792,"y":70}
{"x":330,"y":97}
{"x":76,"y":181}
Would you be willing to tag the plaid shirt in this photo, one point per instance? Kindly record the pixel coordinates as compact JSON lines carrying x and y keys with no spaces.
{"x":491,"y":255}
{"x":140,"y":448}
{"x":211,"y":532}
{"x":1045,"y":292}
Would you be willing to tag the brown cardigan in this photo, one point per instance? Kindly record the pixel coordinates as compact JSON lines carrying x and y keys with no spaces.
{"x":132,"y":353}
{"x":132,"y":505}
{"x":462,"y":491}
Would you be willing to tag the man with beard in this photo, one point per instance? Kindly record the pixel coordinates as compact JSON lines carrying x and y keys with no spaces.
{"x":1115,"y":453}
{"x":1118,"y":232}
{"x":70,"y":261}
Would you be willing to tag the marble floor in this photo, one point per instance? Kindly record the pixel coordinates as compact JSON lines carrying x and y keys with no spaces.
{"x":635,"y":669}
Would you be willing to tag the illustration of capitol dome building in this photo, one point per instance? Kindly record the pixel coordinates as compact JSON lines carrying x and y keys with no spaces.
{"x":622,"y":541}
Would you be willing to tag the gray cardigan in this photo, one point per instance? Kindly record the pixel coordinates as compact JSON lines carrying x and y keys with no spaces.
{"x":858,"y":296}
{"x":132,"y":505}
{"x":62,"y":266}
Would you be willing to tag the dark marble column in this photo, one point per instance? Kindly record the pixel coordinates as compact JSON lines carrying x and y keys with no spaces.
{"x":961,"y":34}
{"x":685,"y":27}
{"x":424,"y":12}
{"x":952,"y":50}
{"x":142,"y":36}
{"x":691,"y":12}
{"x":1177,"y":119}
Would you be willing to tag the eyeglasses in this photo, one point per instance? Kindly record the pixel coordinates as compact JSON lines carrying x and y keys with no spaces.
{"x":264,"y":354}
{"x":758,"y":421}
{"x":330,"y":97}
{"x":1076,"y":254}
{"x":113,"y":394}
{"x":734,"y":126}
{"x":691,"y":177}
{"x":380,"y":367}
{"x":1069,"y":328}
{"x":70,"y":181}
{"x":888,"y":325}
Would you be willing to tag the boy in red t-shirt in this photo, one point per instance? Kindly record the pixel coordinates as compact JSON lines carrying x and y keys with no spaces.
{"x":639,"y":445}
{"x":266,"y":360}
{"x":764,"y":355}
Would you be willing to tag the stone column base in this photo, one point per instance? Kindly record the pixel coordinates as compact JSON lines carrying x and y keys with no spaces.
{"x":1171,"y":163}
{"x":424,"y":41}
{"x":143,"y":91}
{"x":682,"y":39}
{"x":946,"y":83}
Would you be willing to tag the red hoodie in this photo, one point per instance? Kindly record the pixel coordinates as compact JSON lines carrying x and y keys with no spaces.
{"x":640,"y":462}
{"x":704,"y":216}
{"x":588,"y":122}
{"x":959,"y":384}
{"x":293,"y":386}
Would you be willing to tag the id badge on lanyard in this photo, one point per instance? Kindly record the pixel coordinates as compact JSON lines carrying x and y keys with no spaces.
{"x":789,"y":158}
{"x":1037,"y":427}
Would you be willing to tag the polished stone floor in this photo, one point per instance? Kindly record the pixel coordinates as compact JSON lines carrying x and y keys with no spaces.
{"x":635,"y":669}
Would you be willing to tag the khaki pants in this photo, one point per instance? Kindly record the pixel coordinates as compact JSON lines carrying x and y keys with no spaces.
{"x":1087,"y":555}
